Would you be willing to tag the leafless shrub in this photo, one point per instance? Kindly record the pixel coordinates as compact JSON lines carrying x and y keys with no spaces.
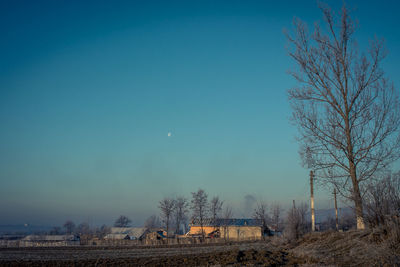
{"x":382,"y":200}
{"x":392,"y":228}
{"x":347,"y":220}
{"x":382,"y":203}
{"x":328,"y":224}
{"x":276,"y":216}
{"x":296,"y":222}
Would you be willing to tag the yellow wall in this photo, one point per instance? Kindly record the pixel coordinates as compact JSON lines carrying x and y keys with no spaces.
{"x":241,"y":232}
{"x":231,"y":232}
{"x":196,"y":230}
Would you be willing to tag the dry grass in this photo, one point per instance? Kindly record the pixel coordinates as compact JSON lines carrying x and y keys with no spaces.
{"x":354,"y":248}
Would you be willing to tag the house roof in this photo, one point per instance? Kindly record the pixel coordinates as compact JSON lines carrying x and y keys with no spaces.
{"x":227,"y":222}
{"x":49,"y":238}
{"x":131,"y":231}
{"x":120,"y":230}
{"x":137,"y":232}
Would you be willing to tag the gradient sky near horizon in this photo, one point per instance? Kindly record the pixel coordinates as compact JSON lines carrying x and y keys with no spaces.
{"x":90,"y":90}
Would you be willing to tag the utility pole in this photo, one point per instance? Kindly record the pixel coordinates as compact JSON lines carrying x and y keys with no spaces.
{"x":336,"y":213}
{"x":312,"y":201}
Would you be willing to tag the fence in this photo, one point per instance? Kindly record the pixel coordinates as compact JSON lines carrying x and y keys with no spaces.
{"x":120,"y":243}
{"x":161,"y":242}
{"x":25,"y":243}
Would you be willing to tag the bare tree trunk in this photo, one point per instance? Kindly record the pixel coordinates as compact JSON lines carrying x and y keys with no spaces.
{"x":167,"y":229}
{"x":358,"y":203}
{"x":336,"y":211}
{"x":312,"y":201}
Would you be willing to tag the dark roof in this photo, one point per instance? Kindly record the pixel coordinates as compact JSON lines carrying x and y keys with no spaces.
{"x":50,"y":238}
{"x":227,"y":222}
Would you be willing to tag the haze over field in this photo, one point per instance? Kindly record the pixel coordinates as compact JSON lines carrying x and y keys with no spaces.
{"x":106,"y":108}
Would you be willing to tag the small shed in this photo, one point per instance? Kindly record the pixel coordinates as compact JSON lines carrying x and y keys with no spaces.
{"x":155,"y":235}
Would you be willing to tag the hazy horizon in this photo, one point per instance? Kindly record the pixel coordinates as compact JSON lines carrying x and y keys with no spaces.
{"x":107,"y":107}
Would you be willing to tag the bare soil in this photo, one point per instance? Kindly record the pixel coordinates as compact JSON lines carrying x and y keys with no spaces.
{"x":250,"y":254}
{"x":353,"y":248}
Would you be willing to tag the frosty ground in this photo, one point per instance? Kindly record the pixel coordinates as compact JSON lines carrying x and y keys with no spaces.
{"x":353,"y":248}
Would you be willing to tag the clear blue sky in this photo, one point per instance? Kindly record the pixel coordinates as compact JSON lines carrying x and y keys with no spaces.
{"x":89,"y":91}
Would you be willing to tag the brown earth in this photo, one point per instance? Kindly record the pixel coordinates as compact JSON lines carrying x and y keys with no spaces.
{"x":353,"y":248}
{"x":239,"y":254}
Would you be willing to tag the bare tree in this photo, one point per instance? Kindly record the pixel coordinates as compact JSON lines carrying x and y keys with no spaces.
{"x":181,"y":209}
{"x":152,"y":222}
{"x":55,"y":231}
{"x":328,"y":223}
{"x":296,"y":222}
{"x":276,"y":220}
{"x":227,"y":217}
{"x":248,"y":204}
{"x":346,"y":110}
{"x":69,"y":227}
{"x":167,"y":206}
{"x":261,"y":213}
{"x":347,"y":220}
{"x":382,"y":199}
{"x":83,"y":229}
{"x":102,"y":231}
{"x":122,"y":221}
{"x":200,"y":208}
{"x":215,"y":208}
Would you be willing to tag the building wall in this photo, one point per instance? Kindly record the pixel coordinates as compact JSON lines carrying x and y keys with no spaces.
{"x":196,"y":230}
{"x":241,"y":232}
{"x":231,"y":232}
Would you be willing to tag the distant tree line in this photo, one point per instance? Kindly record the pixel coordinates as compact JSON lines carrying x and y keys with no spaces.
{"x":175,"y":212}
{"x":82,"y":229}
{"x":382,"y":201}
